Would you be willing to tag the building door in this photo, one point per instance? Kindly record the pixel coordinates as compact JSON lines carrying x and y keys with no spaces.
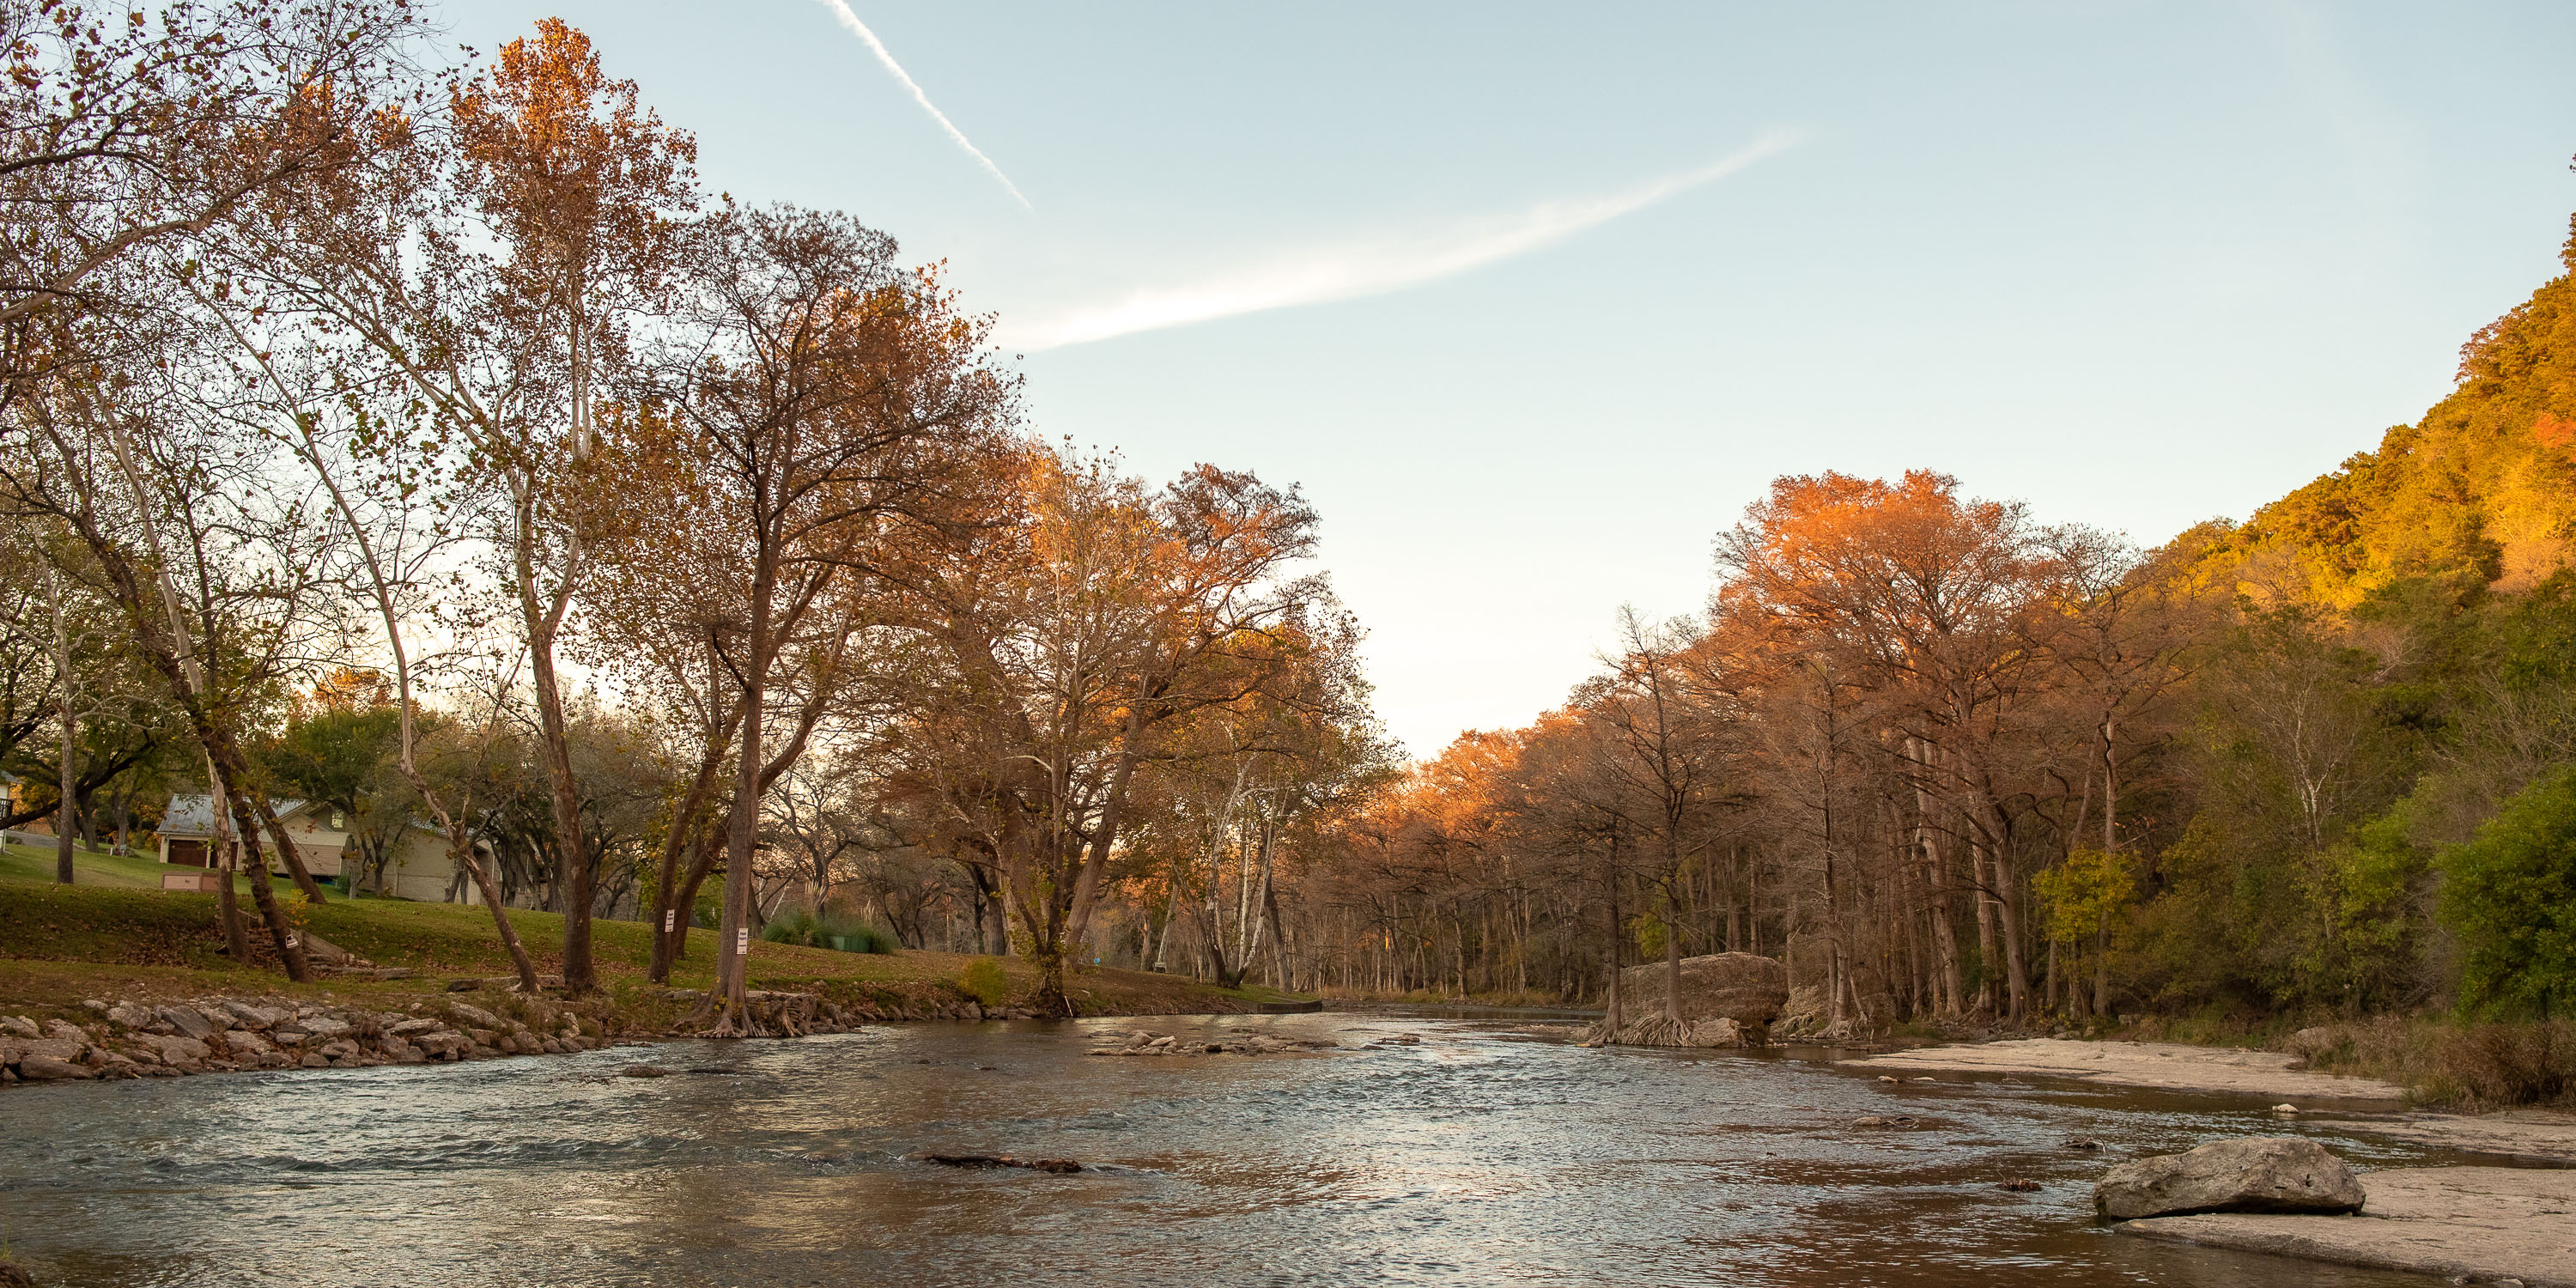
{"x":190,"y":853}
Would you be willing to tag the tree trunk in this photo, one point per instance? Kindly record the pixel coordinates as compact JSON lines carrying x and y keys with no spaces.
{"x":219,"y":854}
{"x":733,"y":943}
{"x":67,"y":689}
{"x":283,"y":937}
{"x":668,"y":914}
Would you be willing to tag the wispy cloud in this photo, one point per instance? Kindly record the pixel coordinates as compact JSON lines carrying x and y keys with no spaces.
{"x":841,"y":10}
{"x":1373,"y":267}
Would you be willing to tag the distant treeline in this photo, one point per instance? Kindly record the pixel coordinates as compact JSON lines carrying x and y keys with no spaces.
{"x":1953,"y":761}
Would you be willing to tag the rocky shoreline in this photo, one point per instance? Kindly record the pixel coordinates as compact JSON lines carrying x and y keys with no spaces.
{"x":134,"y":1039}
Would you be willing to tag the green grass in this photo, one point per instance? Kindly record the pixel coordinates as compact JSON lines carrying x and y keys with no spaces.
{"x":89,"y":867}
{"x":94,"y":938}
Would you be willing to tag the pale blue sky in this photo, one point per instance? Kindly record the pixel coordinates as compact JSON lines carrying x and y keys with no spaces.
{"x":2135,"y":263}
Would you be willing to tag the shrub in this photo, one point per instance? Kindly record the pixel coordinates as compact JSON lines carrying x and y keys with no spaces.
{"x":2510,"y":896}
{"x":982,"y":979}
{"x":827,"y":931}
{"x":2490,"y":1065}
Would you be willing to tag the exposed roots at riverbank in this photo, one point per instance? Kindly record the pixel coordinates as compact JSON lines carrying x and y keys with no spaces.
{"x":1664,"y":1031}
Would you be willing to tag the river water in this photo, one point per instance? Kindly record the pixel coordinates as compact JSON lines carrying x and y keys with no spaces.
{"x":1489,"y":1151}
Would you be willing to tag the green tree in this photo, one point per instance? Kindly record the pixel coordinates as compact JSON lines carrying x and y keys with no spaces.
{"x":2510,"y":897}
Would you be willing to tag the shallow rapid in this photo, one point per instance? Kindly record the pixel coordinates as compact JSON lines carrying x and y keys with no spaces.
{"x":1490,"y":1150}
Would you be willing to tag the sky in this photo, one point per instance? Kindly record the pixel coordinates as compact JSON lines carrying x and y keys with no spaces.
{"x":1533,"y":300}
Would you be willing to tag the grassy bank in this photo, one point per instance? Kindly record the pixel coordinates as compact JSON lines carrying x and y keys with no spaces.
{"x":2440,"y":1059}
{"x":116,"y":933}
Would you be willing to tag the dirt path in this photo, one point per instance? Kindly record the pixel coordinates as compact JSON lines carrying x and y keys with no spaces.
{"x":2463,"y":1223}
{"x":2142,"y":1064}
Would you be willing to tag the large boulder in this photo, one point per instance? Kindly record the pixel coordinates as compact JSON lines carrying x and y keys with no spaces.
{"x":2260,"y":1174}
{"x":1727,"y":999}
{"x":1742,"y":987}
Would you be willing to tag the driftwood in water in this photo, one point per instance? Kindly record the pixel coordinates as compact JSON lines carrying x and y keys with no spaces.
{"x":1058,"y":1165}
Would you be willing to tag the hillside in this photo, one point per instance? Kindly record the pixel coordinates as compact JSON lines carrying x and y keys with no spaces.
{"x":2480,"y":492}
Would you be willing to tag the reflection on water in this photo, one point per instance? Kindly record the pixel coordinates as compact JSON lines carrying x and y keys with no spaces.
{"x":1489,"y":1152}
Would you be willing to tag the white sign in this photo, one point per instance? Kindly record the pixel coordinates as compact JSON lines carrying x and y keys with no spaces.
{"x":670,"y":918}
{"x":742,"y":942}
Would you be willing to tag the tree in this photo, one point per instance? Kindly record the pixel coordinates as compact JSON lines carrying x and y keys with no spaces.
{"x":821,"y":394}
{"x":1078,"y":622}
{"x":494,"y":270}
{"x":2510,"y":895}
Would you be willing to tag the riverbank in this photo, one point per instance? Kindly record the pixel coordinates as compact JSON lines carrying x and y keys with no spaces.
{"x":71,"y":955}
{"x":2466,"y":1224}
{"x":2164,"y":1065}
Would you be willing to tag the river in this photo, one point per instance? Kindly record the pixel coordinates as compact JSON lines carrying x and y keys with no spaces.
{"x":1489,"y":1151}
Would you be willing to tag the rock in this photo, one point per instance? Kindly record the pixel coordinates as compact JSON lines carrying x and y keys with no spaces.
{"x":438,"y":1044}
{"x":1889,"y":1077}
{"x":288,"y":1037}
{"x":2285,"y":1109}
{"x":2259,"y":1174}
{"x":463,"y":985}
{"x":64,"y":1031}
{"x":1874,"y":1120}
{"x":409,"y":1027}
{"x":326,"y":1028}
{"x":2081,"y":1142}
{"x":13,"y":1275}
{"x":128,"y":1015}
{"x":644,"y":1071}
{"x":315,"y":1060}
{"x":401,"y":1052}
{"x":176,"y":1049}
{"x":476,"y":1016}
{"x":1748,"y":989}
{"x":257,"y":1017}
{"x":14,"y":1050}
{"x":2019,"y":1185}
{"x":20,"y":1026}
{"x":186,"y":1020}
{"x":45,"y":1068}
{"x":342,"y":1049}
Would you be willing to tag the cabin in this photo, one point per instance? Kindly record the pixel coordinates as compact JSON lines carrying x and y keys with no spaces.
{"x":419,"y":868}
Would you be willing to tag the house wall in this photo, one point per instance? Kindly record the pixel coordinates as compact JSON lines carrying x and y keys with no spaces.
{"x":420,"y":869}
{"x":316,"y":842}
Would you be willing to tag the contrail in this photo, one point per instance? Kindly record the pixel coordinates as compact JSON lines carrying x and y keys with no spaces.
{"x":1351,"y":271}
{"x":841,"y":9}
